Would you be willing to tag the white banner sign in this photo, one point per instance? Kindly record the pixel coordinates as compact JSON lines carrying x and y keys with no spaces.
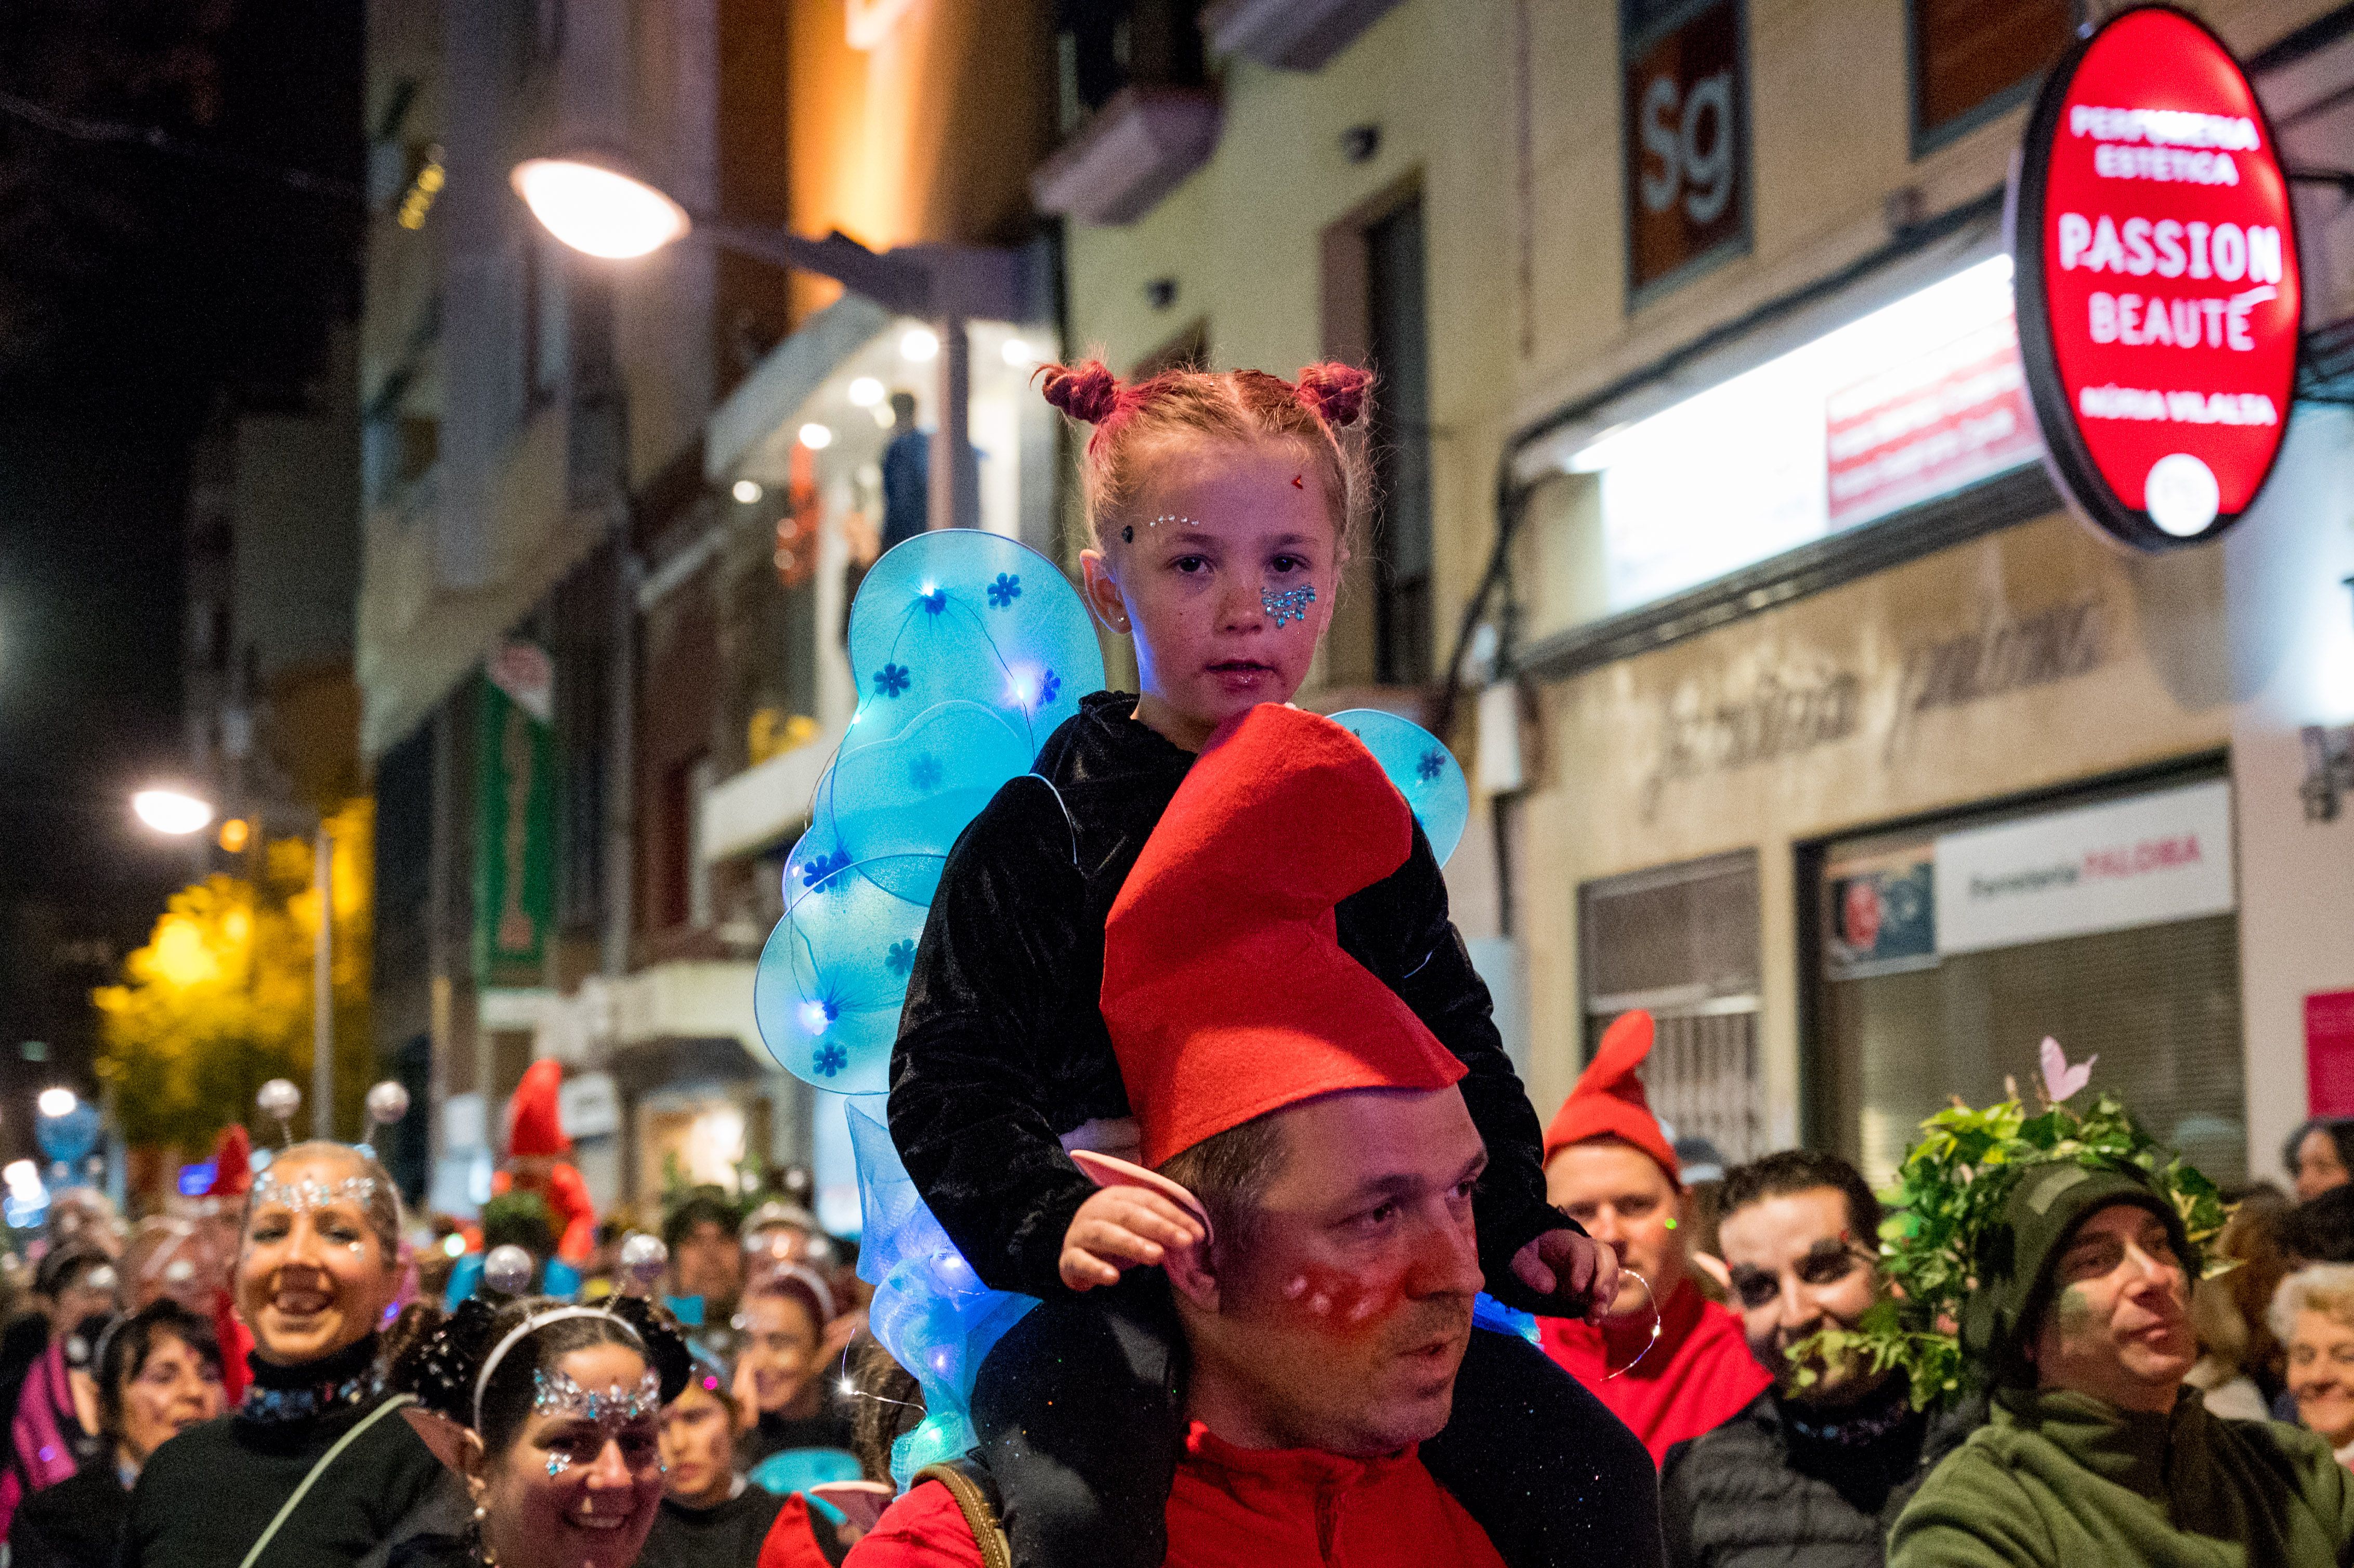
{"x":2143,"y":861}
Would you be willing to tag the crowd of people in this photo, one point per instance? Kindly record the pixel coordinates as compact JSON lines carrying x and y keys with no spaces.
{"x":1195,"y":1066}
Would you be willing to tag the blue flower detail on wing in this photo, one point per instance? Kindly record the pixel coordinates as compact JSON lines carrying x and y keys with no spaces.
{"x":891,"y":679}
{"x":1049,"y":684}
{"x":934,"y":600}
{"x":830,"y":1060}
{"x":1004,"y":591}
{"x":901,"y":958}
{"x":1431,"y":765}
{"x":817,"y":870}
{"x":926,"y":773}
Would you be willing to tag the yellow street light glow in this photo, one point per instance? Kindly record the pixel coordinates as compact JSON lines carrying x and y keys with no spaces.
{"x":817,"y":438}
{"x":918,"y":343}
{"x":599,"y":210}
{"x":865,"y":392}
{"x":235,"y":834}
{"x":57,"y":1102}
{"x":747,"y":490}
{"x":171,"y":812}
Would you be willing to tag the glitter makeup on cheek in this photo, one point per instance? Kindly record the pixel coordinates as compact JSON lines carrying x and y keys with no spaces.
{"x":1342,"y":1303}
{"x":1291,"y":604}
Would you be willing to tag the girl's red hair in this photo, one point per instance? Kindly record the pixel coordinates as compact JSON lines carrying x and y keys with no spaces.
{"x":1239,"y":406}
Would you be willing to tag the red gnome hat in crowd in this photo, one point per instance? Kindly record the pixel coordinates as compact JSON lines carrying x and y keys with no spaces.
{"x":1225,"y":987}
{"x":532,"y":1124}
{"x":1609,"y":1102}
{"x":232,"y":1163}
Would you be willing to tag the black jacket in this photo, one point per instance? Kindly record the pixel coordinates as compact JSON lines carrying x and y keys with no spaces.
{"x":1759,"y":1492}
{"x":1003,"y":1048}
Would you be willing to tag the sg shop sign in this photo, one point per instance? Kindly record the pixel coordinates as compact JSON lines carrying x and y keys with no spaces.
{"x":2157,"y":286}
{"x":1687,"y":138}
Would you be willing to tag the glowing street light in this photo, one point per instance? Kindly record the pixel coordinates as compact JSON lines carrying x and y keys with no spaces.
{"x":593,"y":205}
{"x":55,"y":1103}
{"x":171,"y":812}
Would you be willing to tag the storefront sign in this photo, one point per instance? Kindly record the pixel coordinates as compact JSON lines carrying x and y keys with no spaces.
{"x":1779,"y":716}
{"x":2329,"y":1053}
{"x":1933,"y":423}
{"x":2159,"y":289}
{"x":1687,"y":172}
{"x":514,"y":839}
{"x":2146,"y":861}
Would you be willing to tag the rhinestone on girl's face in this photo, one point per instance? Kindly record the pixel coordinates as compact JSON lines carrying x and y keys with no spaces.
{"x":1291,"y":604}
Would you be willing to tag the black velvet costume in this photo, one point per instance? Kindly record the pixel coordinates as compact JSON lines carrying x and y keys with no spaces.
{"x":206,"y":1495}
{"x":1002,"y":1050}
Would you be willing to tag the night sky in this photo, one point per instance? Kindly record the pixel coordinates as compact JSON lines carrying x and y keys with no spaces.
{"x":142,"y":287}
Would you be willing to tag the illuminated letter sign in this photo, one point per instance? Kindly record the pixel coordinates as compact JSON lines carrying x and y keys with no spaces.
{"x":1687,"y":174}
{"x":2158,"y":281}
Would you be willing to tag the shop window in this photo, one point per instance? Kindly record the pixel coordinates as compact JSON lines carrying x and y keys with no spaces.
{"x":1945,"y":954}
{"x":1104,"y":46}
{"x":1973,"y":60}
{"x":1681,"y":941}
{"x":677,"y":864}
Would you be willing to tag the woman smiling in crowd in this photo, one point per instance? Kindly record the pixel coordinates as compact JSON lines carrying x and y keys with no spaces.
{"x":552,"y":1415}
{"x":313,"y":1468}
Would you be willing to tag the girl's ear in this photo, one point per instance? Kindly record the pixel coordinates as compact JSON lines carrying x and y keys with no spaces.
{"x":1103,"y":593}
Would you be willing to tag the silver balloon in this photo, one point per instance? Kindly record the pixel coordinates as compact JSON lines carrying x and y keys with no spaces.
{"x":388,"y":1103}
{"x":644,"y":1258}
{"x":507,"y":1270}
{"x":279,"y":1099}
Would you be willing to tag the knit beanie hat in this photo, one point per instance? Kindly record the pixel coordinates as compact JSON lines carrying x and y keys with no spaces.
{"x":2016,"y":1255}
{"x":1609,"y":1102}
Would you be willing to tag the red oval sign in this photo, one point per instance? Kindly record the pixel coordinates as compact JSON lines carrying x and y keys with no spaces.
{"x":2157,"y":281}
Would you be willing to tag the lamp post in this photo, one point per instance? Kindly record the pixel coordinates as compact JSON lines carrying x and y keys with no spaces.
{"x":597,"y":203}
{"x":179,"y":813}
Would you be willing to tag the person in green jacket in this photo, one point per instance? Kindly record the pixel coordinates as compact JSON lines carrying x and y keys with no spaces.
{"x":2096,"y":1452}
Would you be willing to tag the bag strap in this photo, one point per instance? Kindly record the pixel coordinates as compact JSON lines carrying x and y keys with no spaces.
{"x":325,"y":1459}
{"x":968,"y":1483}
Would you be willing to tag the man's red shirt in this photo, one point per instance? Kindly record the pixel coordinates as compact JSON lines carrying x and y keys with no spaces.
{"x":1699,"y":1376}
{"x":1242,"y":1508}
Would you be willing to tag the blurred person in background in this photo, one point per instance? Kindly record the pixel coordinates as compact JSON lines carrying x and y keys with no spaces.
{"x":312,"y":1458}
{"x":800,"y":1433}
{"x":2242,"y":1367}
{"x":158,"y":1373}
{"x":1703,"y":1167}
{"x":2320,"y":1156}
{"x":706,"y":1266}
{"x":1817,"y":1467}
{"x":1609,"y":1167}
{"x":2312,"y":1314}
{"x":711,"y":1514}
{"x":170,"y":1257}
{"x":56,"y":1429}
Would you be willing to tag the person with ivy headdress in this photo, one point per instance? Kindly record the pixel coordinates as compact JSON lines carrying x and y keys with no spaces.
{"x":2064,"y":1247}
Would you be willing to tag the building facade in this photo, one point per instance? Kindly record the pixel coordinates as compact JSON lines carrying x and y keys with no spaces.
{"x":1717,"y":535}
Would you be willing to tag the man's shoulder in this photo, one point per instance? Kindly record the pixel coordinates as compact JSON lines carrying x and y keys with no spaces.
{"x":923,"y":1528}
{"x":1753,"y":1434}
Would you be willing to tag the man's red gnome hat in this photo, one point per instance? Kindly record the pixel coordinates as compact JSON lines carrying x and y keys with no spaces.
{"x":1609,"y":1102}
{"x":232,"y":1163}
{"x":532,"y":1124}
{"x":1225,"y":987}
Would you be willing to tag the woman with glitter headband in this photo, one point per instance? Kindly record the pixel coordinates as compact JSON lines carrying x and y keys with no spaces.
{"x":550,"y":1414}
{"x":314,"y":1466}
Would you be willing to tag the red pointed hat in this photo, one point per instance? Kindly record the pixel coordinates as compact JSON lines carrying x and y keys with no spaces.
{"x":532,"y":1124}
{"x":1225,"y":987}
{"x":232,"y":1163}
{"x":1609,"y":1102}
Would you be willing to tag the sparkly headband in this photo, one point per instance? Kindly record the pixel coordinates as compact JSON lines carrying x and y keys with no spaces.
{"x":532,"y":1325}
{"x":303,"y":1196}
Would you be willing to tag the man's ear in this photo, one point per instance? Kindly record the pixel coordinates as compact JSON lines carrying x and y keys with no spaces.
{"x":458,"y":1449}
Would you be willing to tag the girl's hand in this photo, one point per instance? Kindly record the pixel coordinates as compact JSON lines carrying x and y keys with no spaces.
{"x":1579,"y":1273}
{"x":1119,"y":1228}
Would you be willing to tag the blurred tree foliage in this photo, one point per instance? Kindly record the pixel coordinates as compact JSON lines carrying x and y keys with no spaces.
{"x":220,"y":1000}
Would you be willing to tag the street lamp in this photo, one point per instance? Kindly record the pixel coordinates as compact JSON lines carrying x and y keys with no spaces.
{"x":57,"y":1102}
{"x":596,"y":202}
{"x":171,"y":812}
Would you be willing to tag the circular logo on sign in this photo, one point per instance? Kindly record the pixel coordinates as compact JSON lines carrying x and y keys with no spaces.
{"x":2157,"y":272}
